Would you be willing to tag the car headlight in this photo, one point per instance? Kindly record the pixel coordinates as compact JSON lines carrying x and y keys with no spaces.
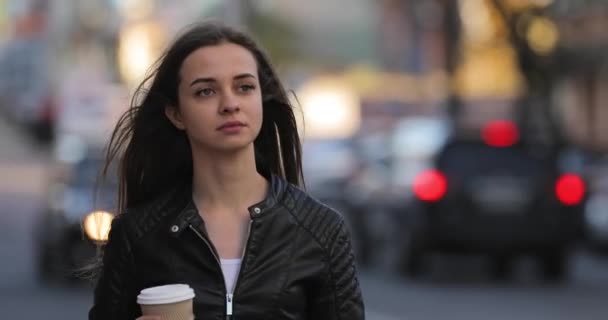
{"x":97,"y":225}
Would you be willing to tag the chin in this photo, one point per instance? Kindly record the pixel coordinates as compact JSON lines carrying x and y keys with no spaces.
{"x":231,"y":146}
{"x":226,"y":144}
{"x":234,"y":147}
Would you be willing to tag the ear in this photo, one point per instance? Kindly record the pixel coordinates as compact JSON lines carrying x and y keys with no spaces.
{"x":175,"y":117}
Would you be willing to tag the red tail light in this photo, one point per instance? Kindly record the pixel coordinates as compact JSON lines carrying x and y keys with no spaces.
{"x":430,"y":186}
{"x":570,"y":189}
{"x":500,"y":134}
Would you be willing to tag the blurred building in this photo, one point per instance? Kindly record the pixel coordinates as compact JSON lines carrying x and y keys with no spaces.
{"x":497,"y":52}
{"x":411,"y":35}
{"x":583,"y":62}
{"x":336,"y":40}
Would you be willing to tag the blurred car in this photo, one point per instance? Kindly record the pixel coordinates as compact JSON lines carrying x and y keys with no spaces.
{"x":596,"y":222}
{"x":368,"y":176}
{"x":26,"y":91}
{"x":414,"y":142}
{"x":77,"y":217}
{"x":89,"y":112}
{"x":381,"y":186}
{"x":596,"y":207}
{"x":492,"y":194}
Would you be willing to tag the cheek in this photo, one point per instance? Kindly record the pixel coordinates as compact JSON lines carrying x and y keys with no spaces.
{"x":259,"y":114}
{"x":197,"y":117}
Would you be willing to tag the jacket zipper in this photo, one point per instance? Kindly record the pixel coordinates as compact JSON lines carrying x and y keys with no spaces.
{"x":229,"y":296}
{"x":219,"y":264}
{"x":243,"y":255}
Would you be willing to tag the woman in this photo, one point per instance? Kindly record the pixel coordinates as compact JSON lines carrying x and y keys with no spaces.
{"x":210,"y":161}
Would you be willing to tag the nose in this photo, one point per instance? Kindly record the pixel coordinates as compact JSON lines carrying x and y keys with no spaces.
{"x":229,"y":104}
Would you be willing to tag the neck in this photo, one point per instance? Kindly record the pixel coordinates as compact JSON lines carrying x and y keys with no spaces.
{"x":226,"y":182}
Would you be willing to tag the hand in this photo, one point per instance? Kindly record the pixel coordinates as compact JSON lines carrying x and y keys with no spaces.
{"x":148,"y":318}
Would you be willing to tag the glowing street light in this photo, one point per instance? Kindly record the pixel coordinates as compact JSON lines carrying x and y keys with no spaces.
{"x":139,"y":46}
{"x":542,"y":35}
{"x":331,"y":109}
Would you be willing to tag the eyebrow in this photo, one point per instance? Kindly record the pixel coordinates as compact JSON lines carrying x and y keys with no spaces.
{"x":237,"y":77}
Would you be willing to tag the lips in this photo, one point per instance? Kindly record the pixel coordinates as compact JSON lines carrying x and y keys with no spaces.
{"x":231,"y":124}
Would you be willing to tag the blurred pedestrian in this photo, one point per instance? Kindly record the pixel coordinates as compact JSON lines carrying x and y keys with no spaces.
{"x":210,"y":165}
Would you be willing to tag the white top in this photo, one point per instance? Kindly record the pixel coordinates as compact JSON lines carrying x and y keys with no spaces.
{"x":230,"y":268}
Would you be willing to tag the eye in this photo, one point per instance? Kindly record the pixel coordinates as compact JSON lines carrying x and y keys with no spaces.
{"x":246,"y":88}
{"x":205,"y":92}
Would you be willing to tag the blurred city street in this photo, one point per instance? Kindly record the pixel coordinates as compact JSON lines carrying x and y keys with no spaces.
{"x":457,"y":290}
{"x":465,"y":142}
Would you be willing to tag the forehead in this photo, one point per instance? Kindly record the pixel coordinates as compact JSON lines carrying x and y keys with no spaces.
{"x":222,"y":60}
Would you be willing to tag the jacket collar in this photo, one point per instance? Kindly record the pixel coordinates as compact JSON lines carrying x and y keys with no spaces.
{"x":189,"y":215}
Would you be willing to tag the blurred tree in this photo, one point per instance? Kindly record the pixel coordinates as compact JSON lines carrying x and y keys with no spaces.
{"x":451,"y":27}
{"x":538,"y":66}
{"x":535,"y":56}
{"x":276,"y":35}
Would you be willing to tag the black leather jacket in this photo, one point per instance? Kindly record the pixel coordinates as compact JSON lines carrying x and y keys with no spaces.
{"x":298,"y":262}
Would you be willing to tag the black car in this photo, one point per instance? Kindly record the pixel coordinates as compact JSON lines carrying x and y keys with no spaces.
{"x":76,"y":219}
{"x":596,"y":208}
{"x":494,"y":195}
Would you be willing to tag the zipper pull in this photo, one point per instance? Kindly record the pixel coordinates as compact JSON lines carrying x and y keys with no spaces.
{"x":229,"y":306}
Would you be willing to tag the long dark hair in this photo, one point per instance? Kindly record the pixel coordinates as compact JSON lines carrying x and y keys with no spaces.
{"x":154,"y":156}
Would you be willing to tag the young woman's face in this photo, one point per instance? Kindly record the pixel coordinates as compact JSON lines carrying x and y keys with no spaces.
{"x":220,"y":99}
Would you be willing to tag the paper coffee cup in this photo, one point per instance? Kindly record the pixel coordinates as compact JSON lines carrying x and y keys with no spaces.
{"x":170,"y":302}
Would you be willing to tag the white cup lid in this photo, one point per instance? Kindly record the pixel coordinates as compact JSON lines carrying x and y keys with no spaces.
{"x":165,"y":294}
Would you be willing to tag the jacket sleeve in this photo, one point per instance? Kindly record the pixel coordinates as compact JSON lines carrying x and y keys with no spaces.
{"x":115,"y":295}
{"x":340,"y":297}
